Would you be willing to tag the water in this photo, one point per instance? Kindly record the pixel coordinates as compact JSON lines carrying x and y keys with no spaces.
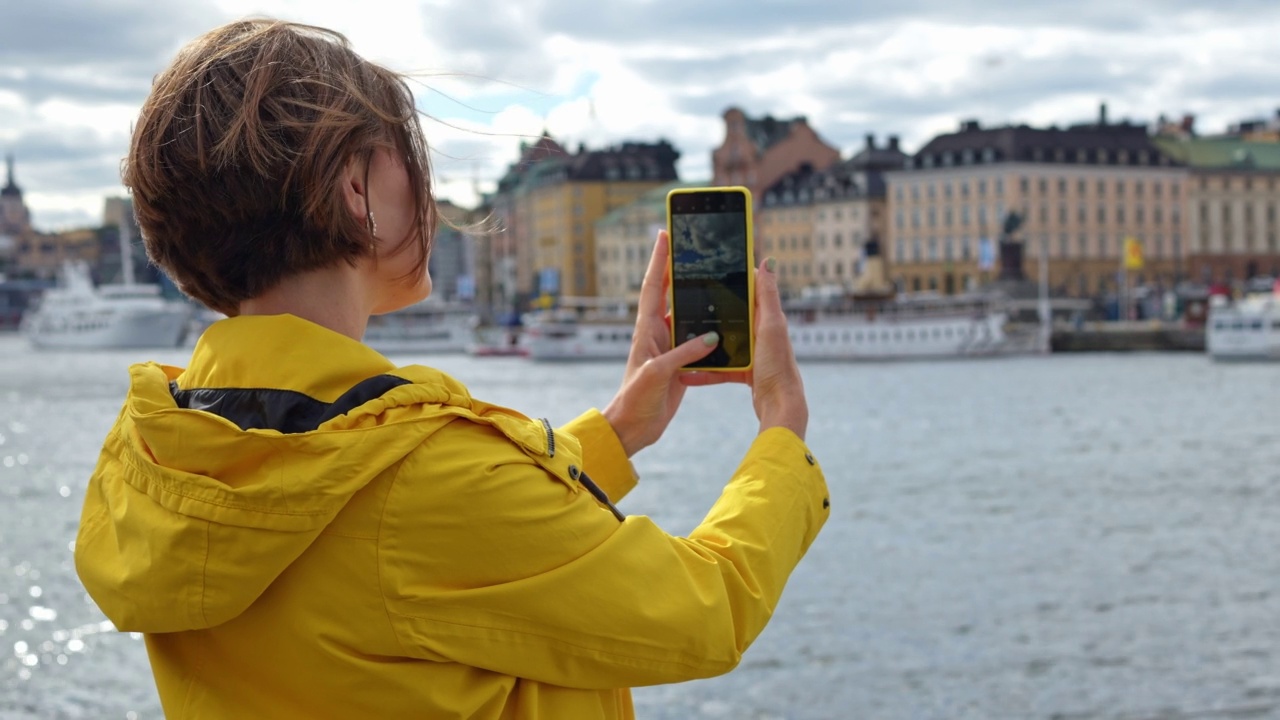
{"x":1070,"y":537}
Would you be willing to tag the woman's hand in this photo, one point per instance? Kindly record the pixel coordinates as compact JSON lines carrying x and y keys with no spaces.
{"x":651,"y":389}
{"x":777,"y":392}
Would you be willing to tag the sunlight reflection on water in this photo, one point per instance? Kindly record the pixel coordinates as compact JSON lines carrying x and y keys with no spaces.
{"x":1089,"y":537}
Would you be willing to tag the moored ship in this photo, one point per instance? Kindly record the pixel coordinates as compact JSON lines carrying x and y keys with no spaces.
{"x":78,"y":316}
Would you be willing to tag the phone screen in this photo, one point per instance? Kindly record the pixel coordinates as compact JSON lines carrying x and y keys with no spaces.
{"x":711,"y":273}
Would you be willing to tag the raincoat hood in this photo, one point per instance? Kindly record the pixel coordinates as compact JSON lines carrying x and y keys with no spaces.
{"x":192,"y":513}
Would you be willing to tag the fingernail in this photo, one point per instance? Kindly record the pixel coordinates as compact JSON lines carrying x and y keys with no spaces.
{"x":770,"y":264}
{"x":710,"y":339}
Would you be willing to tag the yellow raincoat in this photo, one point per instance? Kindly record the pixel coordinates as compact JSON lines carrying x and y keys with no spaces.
{"x":304,"y":530}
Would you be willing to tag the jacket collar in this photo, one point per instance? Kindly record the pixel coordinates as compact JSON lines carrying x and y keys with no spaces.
{"x":283,"y":352}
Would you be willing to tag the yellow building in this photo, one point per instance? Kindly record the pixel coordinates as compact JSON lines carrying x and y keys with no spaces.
{"x":560,"y":199}
{"x":784,"y":230}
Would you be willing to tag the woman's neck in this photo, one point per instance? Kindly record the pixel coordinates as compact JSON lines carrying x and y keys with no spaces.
{"x":332,"y":297}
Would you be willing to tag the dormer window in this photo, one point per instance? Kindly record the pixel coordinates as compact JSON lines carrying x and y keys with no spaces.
{"x":988,"y":155}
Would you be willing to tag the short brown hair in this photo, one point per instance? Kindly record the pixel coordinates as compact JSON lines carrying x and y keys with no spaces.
{"x":238,"y":153}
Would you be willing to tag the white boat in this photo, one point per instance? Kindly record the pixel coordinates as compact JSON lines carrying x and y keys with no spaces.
{"x":428,"y":327}
{"x":1248,"y":329}
{"x":898,"y":329}
{"x":76,"y":315}
{"x":580,"y":329}
{"x":498,"y":341}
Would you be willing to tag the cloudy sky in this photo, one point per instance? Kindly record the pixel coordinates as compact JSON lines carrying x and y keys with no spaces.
{"x":74,"y":72}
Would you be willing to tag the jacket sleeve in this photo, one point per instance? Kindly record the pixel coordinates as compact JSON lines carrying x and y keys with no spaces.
{"x":602,"y":455}
{"x":494,"y":561}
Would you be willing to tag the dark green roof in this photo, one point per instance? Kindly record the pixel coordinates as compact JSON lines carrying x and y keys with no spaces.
{"x":1222,"y":153}
{"x":655,"y":200}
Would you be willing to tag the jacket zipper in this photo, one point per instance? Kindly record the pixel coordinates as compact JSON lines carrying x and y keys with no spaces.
{"x":551,"y":437}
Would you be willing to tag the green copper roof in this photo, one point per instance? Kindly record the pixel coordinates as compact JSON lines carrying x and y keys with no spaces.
{"x":1222,"y":153}
{"x":654,"y":200}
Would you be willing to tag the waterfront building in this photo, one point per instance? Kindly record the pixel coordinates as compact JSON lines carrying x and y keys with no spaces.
{"x":784,"y":228}
{"x":758,"y":152}
{"x":1232,"y":204}
{"x":453,"y":255}
{"x":849,"y":209}
{"x":553,"y":202}
{"x":507,"y":277}
{"x":1081,"y":191}
{"x":15,"y":220}
{"x":624,"y":242}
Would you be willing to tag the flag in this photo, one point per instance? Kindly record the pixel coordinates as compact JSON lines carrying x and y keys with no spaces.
{"x":1132,"y":253}
{"x":986,"y":254}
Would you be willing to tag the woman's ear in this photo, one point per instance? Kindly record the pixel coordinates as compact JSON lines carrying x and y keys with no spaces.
{"x":354,"y":188}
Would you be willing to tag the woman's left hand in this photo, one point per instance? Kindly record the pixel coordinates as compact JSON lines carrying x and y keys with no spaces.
{"x":651,"y":389}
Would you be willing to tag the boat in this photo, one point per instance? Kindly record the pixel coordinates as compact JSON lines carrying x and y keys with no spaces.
{"x":77,"y":315}
{"x":498,"y":341}
{"x":580,"y":328}
{"x":429,"y":327}
{"x":1246,"y":329}
{"x":927,"y":326}
{"x":872,"y":321}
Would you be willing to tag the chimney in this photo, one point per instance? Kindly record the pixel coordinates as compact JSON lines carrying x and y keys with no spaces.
{"x":1102,"y":114}
{"x":871,"y":141}
{"x":969,"y":126}
{"x":893,"y":142}
{"x":1189,"y":124}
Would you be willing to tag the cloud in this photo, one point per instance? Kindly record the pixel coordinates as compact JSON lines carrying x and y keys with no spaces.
{"x":496,"y":72}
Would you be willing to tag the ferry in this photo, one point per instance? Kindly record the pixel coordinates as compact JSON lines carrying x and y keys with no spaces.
{"x":429,"y":327}
{"x":498,"y":341}
{"x":1247,"y":329}
{"x":75,"y":315}
{"x":854,"y":328}
{"x":580,"y":328}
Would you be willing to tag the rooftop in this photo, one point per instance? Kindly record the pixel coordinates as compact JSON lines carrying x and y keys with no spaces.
{"x":1220,"y":153}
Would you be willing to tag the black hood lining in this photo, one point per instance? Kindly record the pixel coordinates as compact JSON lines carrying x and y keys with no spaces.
{"x":286,"y":411}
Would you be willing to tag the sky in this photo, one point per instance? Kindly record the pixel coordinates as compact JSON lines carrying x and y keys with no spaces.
{"x":490,"y":74}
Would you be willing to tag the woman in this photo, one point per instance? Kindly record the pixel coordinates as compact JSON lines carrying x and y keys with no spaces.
{"x":304,"y":530}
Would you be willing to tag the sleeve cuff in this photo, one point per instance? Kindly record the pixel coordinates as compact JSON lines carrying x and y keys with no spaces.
{"x":603,"y":457}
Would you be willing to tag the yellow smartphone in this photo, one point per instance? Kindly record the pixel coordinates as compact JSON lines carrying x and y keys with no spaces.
{"x":713,"y":279}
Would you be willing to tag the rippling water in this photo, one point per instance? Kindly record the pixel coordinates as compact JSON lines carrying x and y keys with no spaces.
{"x":1069,"y":537}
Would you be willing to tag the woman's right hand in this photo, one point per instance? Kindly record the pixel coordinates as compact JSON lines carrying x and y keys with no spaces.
{"x":777,"y":392}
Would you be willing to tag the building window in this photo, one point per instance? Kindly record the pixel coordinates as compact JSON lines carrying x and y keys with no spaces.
{"x":1063,"y":245}
{"x":982,"y":188}
{"x":1025,"y":185}
{"x":837,"y":240}
{"x":999,"y":186}
{"x":1083,"y":243}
